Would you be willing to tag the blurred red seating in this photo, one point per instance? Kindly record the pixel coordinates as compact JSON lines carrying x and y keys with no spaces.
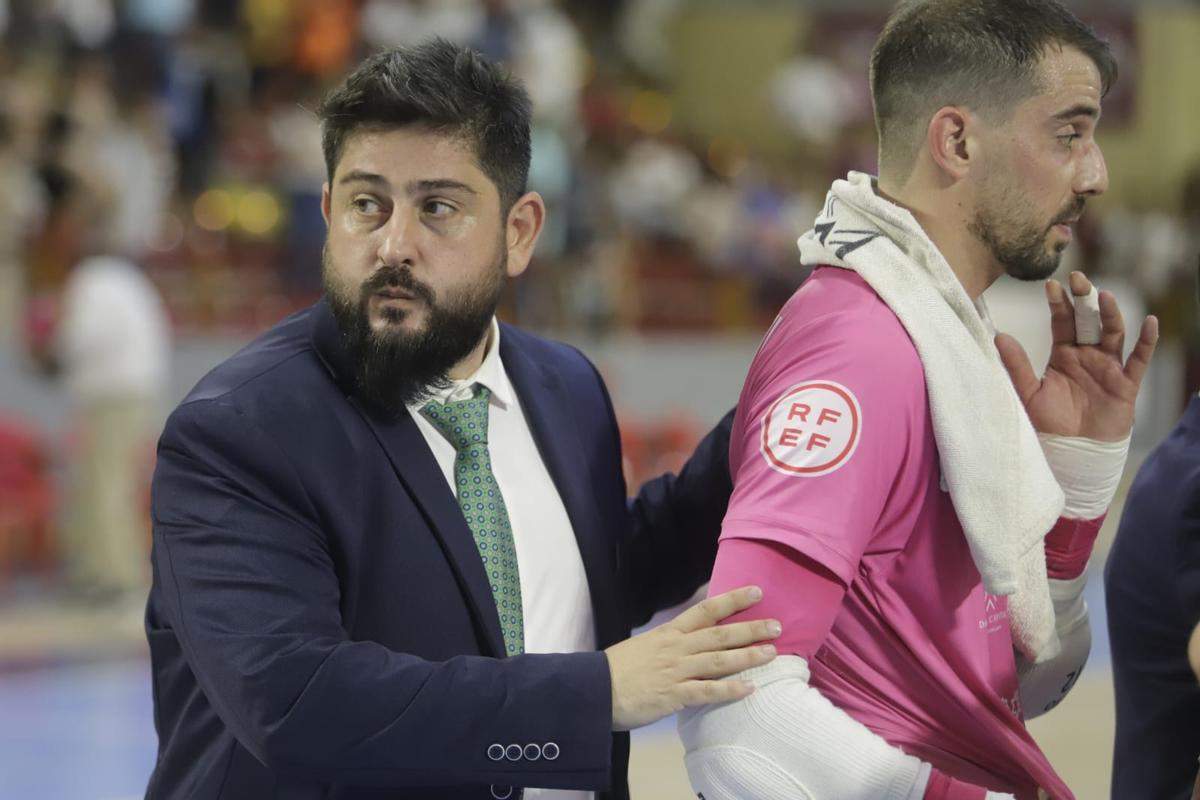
{"x":26,"y":498}
{"x":652,"y":448}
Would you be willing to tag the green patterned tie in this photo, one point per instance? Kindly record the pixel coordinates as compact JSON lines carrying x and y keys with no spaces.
{"x":465,"y":424}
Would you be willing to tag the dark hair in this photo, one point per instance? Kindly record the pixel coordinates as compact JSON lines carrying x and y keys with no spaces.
{"x":443,"y":86}
{"x":981,"y":54}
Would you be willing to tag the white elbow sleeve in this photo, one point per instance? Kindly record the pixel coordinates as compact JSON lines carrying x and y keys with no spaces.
{"x":1043,"y":686}
{"x":787,"y":741}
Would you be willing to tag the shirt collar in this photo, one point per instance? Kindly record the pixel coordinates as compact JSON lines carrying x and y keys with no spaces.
{"x":491,"y":374}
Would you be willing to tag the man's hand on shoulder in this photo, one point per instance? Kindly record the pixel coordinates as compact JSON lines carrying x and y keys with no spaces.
{"x":680,"y":663}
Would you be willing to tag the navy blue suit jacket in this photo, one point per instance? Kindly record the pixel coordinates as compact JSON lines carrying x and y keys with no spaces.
{"x":1152,"y":596}
{"x":320,"y":624}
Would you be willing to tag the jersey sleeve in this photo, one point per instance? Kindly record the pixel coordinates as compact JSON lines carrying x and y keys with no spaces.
{"x":826,"y":421}
{"x":783,"y":575}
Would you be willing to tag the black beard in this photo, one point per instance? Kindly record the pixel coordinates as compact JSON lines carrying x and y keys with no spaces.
{"x":1025,"y":256}
{"x":392,"y":368}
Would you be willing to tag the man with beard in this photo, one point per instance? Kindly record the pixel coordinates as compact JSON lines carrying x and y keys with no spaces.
{"x":390,"y":534}
{"x":918,"y":506}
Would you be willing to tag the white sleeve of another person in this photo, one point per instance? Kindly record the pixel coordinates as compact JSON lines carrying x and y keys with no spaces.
{"x":786,"y":741}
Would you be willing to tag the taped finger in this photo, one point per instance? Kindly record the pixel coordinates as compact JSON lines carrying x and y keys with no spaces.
{"x":1087,"y":318}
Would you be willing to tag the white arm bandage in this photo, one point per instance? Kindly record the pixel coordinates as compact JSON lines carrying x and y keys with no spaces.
{"x":788,"y":742}
{"x":1088,"y":471}
{"x":1043,"y":686}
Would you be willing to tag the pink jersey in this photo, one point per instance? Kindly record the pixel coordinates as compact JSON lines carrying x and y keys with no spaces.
{"x":833,"y":456}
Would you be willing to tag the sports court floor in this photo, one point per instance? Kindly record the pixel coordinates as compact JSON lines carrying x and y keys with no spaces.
{"x":76,"y":720}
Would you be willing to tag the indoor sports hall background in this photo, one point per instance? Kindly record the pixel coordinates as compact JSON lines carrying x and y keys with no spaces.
{"x":681,"y":145}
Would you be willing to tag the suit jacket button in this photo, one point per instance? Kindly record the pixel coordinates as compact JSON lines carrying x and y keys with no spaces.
{"x":533,"y":752}
{"x":513,"y":752}
{"x":501,"y":792}
{"x":496,"y":752}
{"x":549,"y":751}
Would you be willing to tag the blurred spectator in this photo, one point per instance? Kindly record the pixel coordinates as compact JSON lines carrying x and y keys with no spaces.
{"x":813,"y":97}
{"x":125,"y":139}
{"x":547,"y":54}
{"x":22,"y":205}
{"x":161,"y":17}
{"x":326,"y":35}
{"x":90,"y":23}
{"x":394,"y":23}
{"x":642,"y":34}
{"x":1156,"y":249}
{"x":295,"y":138}
{"x":649,"y":187}
{"x":111,"y":346}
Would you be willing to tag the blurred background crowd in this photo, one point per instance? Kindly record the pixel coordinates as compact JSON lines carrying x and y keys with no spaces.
{"x":160,"y":178}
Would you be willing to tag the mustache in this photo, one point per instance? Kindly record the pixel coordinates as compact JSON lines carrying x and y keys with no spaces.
{"x":390,"y":276}
{"x":1073,"y":212}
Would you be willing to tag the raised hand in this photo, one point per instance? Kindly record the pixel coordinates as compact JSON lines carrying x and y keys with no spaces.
{"x":680,"y":662}
{"x":1086,"y":390}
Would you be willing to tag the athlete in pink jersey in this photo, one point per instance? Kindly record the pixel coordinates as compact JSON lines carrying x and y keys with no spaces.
{"x":835,"y":468}
{"x":897,"y":677}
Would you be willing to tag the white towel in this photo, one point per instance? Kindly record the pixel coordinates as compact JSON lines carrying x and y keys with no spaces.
{"x":1003,"y":491}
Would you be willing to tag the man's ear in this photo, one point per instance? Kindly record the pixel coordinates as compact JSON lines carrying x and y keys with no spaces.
{"x":524,"y":225}
{"x":949,"y":141}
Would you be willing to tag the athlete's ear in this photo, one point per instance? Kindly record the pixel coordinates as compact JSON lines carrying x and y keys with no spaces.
{"x":950,"y":141}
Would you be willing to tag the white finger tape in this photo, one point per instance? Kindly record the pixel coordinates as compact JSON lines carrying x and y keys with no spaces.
{"x":1087,"y":318}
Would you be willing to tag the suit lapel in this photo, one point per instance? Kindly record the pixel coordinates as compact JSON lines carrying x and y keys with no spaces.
{"x":549,"y":412}
{"x":418,"y":470}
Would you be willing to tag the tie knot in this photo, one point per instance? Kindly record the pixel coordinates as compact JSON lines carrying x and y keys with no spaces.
{"x":463,"y":422}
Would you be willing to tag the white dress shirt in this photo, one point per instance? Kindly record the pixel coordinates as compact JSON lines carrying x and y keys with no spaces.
{"x":555,"y":600}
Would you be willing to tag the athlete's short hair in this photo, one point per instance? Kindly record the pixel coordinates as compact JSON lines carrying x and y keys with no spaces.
{"x":978,"y":54}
